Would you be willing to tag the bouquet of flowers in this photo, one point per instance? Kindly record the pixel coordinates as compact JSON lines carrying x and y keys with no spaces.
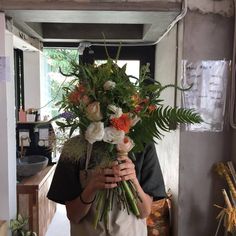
{"x":105,"y":106}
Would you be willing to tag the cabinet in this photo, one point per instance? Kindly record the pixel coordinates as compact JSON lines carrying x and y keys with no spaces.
{"x":3,"y":228}
{"x":32,"y":201}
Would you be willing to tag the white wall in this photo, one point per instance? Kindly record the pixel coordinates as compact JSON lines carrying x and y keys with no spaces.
{"x":32,"y":79}
{"x":7,"y":130}
{"x":36,"y":82}
{"x":168,"y":148}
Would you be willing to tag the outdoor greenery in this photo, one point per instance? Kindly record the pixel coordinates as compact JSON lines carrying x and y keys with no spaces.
{"x":58,"y":58}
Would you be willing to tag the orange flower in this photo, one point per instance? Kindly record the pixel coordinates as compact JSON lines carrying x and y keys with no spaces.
{"x":74,"y":97}
{"x":144,"y":100}
{"x":152,"y":107}
{"x":138,"y":108}
{"x":122,"y":123}
{"x":81,"y":88}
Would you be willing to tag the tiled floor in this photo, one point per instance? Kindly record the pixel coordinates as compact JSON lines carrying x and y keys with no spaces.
{"x":60,"y":225}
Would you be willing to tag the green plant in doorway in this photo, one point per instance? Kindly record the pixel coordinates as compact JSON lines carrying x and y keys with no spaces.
{"x":18,"y":227}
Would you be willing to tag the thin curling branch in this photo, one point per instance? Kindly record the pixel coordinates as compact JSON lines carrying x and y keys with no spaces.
{"x":66,"y":75}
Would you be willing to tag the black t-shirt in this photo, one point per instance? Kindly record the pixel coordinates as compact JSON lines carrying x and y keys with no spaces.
{"x":66,"y":184}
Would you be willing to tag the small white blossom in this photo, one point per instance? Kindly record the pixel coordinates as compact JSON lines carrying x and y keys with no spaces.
{"x":117,"y":111}
{"x":94,"y":132}
{"x":109,"y":85}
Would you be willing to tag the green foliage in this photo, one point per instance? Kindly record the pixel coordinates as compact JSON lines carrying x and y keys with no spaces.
{"x":61,"y":58}
{"x":162,"y":119}
{"x":141,"y":99}
{"x":18,"y":227}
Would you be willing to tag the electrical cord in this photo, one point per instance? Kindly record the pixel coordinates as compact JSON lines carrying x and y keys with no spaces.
{"x":171,"y":25}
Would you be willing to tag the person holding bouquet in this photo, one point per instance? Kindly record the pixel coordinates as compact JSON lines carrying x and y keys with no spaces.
{"x":109,"y":175}
{"x":77,"y":189}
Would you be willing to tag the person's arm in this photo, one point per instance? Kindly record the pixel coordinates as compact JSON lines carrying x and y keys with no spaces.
{"x":126,"y":170}
{"x":79,"y":207}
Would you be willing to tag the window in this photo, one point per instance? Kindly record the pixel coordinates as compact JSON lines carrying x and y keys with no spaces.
{"x":57,"y":58}
{"x":134,"y":57}
{"x":19,"y":80}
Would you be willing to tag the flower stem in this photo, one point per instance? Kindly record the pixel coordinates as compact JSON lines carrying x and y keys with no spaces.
{"x":100,"y":204}
{"x":131,"y":199}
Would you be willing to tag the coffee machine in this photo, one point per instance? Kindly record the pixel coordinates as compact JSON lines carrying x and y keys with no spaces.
{"x":36,"y":138}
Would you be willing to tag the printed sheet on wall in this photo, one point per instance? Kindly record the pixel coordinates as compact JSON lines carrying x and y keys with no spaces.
{"x":207,"y":94}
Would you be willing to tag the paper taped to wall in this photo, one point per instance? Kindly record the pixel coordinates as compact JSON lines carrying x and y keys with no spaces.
{"x":208,"y":93}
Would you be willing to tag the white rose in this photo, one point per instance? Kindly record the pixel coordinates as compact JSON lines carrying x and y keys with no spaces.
{"x":117,"y":110}
{"x":93,"y":111}
{"x":112,"y":135}
{"x":94,"y":132}
{"x":109,"y":85}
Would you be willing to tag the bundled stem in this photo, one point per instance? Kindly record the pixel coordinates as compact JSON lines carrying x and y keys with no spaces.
{"x":223,"y":171}
{"x":228,"y":213}
{"x":105,"y":201}
{"x":131,"y":198}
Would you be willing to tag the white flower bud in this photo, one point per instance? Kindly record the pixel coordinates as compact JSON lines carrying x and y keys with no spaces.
{"x":109,"y":85}
{"x":117,"y":110}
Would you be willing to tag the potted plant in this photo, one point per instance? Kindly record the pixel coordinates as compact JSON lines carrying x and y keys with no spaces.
{"x":18,"y":227}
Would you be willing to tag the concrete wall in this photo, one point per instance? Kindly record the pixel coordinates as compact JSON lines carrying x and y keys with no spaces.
{"x":206,"y":37}
{"x":168,"y":148}
{"x":187,"y":158}
{"x":222,"y":7}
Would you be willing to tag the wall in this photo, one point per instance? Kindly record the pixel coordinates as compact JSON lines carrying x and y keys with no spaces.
{"x":7,"y":130}
{"x":32,"y":79}
{"x":187,"y":158}
{"x":36,"y":82}
{"x":222,"y":7}
{"x":168,"y":148}
{"x":206,"y":37}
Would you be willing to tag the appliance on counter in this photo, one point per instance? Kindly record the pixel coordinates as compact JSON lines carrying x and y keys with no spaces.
{"x":36,"y":138}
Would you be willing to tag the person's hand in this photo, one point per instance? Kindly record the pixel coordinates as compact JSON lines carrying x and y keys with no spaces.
{"x":104,"y":179}
{"x":126,"y":169}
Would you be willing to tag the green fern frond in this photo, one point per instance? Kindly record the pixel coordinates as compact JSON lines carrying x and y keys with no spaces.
{"x":161,"y":120}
